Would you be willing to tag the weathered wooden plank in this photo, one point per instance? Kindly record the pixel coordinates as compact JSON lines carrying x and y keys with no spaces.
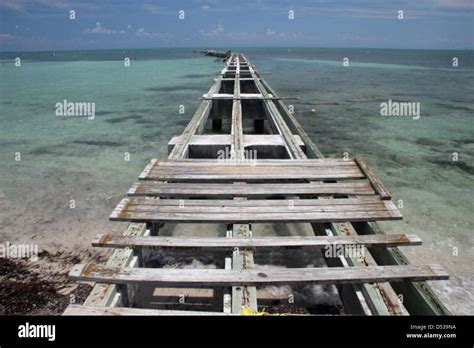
{"x":237,"y":146}
{"x":389,"y":240}
{"x":151,"y":188}
{"x":329,"y":210}
{"x":374,"y":180}
{"x":261,"y":203}
{"x":242,"y":79}
{"x":254,"y":276}
{"x":78,"y":310}
{"x":257,"y":210}
{"x":271,"y":173}
{"x":238,"y":173}
{"x":252,"y":217}
{"x":220,"y":166}
{"x":241,"y":296}
{"x":200,"y":162}
{"x":224,"y":140}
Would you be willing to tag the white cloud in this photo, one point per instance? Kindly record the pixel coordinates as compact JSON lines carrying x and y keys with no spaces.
{"x":55,"y":3}
{"x":99,"y":29}
{"x":455,"y":4}
{"x":270,"y":32}
{"x":282,"y":35}
{"x":129,"y":30}
{"x":6,"y":36}
{"x":141,"y":32}
{"x":25,"y":5}
{"x":219,"y":30}
{"x":151,"y":8}
{"x":13,"y":5}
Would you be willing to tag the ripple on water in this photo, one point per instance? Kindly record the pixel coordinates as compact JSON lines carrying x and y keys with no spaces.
{"x":100,"y":143}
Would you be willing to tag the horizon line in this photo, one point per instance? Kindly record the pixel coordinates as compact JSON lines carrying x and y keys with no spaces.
{"x":234,"y":47}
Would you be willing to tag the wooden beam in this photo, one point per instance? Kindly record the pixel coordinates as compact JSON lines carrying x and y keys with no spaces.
{"x":374,"y":180}
{"x":244,"y":96}
{"x":240,"y":296}
{"x":161,"y":189}
{"x":250,"y":170}
{"x":208,"y":146}
{"x":221,"y":277}
{"x":305,"y":210}
{"x":198,"y":162}
{"x":78,"y":310}
{"x":110,"y":241}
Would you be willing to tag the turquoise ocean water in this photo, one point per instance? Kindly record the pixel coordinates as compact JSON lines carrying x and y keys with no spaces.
{"x":137,"y":113}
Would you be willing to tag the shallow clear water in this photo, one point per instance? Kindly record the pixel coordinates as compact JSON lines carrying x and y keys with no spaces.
{"x":137,"y":113}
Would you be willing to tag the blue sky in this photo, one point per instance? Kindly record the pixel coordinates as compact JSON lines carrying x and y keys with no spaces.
{"x":45,"y":24}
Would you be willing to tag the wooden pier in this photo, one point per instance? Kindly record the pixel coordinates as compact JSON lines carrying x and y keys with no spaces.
{"x":212,"y":177}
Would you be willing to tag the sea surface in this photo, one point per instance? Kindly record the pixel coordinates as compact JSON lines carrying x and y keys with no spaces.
{"x":50,"y":163}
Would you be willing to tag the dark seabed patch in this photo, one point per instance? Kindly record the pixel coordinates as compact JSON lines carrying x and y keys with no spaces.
{"x":325,"y":102}
{"x":123,"y":119}
{"x":141,"y":111}
{"x":183,"y":88}
{"x":182,"y":122}
{"x":464,"y":141}
{"x":104,"y":112}
{"x":152,"y":136}
{"x":428,"y":142}
{"x":295,"y":90}
{"x":195,"y":76}
{"x":375,"y":100}
{"x":455,"y":107}
{"x":12,"y":142}
{"x":99,"y":143}
{"x":452,"y":164}
{"x":402,"y":160}
{"x":142,"y":121}
{"x":46,"y":150}
{"x":413,"y":94}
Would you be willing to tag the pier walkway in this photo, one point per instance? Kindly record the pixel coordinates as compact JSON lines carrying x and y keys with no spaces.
{"x":212,"y":177}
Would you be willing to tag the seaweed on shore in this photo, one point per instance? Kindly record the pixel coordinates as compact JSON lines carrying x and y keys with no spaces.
{"x":25,"y":292}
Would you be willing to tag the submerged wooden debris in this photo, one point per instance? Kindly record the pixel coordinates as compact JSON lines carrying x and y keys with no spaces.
{"x":218,"y":54}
